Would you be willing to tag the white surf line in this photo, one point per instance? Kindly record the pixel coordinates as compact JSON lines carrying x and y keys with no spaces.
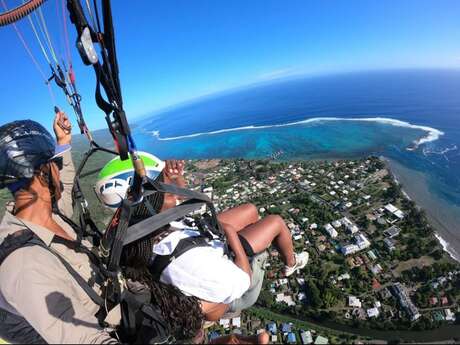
{"x":433,"y":133}
{"x":447,"y":247}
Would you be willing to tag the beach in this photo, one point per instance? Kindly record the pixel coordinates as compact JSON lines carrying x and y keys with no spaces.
{"x":443,"y":216}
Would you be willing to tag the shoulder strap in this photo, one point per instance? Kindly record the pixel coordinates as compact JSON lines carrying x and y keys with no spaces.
{"x":28,"y":238}
{"x":149,"y":225}
{"x":160,"y":262}
{"x":14,"y":241}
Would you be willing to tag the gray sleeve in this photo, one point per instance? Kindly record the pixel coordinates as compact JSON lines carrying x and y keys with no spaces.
{"x":42,"y":292}
{"x":67,"y":175}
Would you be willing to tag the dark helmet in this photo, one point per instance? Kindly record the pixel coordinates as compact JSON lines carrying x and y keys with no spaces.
{"x":24,"y":146}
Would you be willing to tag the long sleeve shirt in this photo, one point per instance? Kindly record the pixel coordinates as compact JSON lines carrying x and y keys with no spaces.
{"x":37,"y":291}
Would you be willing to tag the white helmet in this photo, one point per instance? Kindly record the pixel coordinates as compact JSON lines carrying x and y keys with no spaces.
{"x":116,"y":177}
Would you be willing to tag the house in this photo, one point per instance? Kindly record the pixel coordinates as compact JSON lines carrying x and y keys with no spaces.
{"x":390,"y":244}
{"x":361,"y":241}
{"x":306,"y":337}
{"x":297,"y":237}
{"x":313,"y":226}
{"x":321,"y":340}
{"x":236,"y":322}
{"x":336,"y":224}
{"x":286,"y":327}
{"x":390,"y":208}
{"x":274,"y":338}
{"x":271,"y":327}
{"x":449,"y":315}
{"x":392,"y":231}
{"x":376,"y":269}
{"x":354,"y":302}
{"x":330,"y":230}
{"x":291,"y":338}
{"x":353,"y":229}
{"x":213,"y":335}
{"x":371,"y":255}
{"x":373,"y":312}
{"x":349,"y":249}
{"x":344,"y":276}
{"x":394,"y":211}
{"x":433,"y":301}
{"x":301,"y":296}
{"x":404,"y":300}
{"x":225,"y":323}
{"x":444,"y":300}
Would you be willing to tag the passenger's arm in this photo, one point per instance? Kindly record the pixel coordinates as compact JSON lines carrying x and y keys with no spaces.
{"x":173,"y":173}
{"x":41,"y":291}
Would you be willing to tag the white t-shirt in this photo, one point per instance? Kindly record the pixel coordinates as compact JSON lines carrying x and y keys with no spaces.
{"x":203,"y":272}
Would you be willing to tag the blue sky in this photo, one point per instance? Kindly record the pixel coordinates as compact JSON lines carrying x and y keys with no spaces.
{"x":170,"y":50}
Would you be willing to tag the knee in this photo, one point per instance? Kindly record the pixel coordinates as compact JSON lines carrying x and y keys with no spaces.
{"x":251,"y":210}
{"x":275,"y":219}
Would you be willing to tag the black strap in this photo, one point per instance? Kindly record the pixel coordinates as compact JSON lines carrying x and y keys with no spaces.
{"x":119,"y":236}
{"x":160,"y":262}
{"x":149,"y":225}
{"x":28,"y":238}
{"x":173,"y":189}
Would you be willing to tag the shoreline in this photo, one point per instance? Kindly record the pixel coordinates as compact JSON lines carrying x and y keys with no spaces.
{"x":439,"y":213}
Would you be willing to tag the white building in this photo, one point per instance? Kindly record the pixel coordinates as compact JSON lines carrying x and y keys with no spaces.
{"x":361,"y":241}
{"x":336,"y":224}
{"x":349,"y":249}
{"x":344,"y":276}
{"x":236,"y":322}
{"x":330,"y":230}
{"x":449,"y":315}
{"x":354,"y":302}
{"x":225,"y":323}
{"x":373,"y":312}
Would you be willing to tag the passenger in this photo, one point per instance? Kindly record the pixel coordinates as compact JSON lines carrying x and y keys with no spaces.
{"x":213,"y":283}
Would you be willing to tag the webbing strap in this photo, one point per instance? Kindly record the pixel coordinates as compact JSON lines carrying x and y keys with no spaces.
{"x":28,"y":238}
{"x":149,"y":225}
{"x":78,"y":278}
{"x":173,"y":189}
{"x":160,"y":262}
{"x":120,"y":235}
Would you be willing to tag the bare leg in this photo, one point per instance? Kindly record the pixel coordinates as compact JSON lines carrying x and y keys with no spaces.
{"x":239,"y":217}
{"x":262,"y":338}
{"x":270,"y":229}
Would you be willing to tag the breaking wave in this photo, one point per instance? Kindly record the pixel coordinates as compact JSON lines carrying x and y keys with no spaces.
{"x":432,"y":133}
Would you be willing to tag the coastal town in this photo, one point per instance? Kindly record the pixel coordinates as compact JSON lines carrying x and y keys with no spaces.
{"x":375,"y":262}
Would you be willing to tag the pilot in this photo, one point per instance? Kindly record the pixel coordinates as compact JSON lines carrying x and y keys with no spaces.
{"x":40,"y":301}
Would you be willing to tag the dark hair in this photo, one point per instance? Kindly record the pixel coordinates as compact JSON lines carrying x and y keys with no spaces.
{"x":183,"y":313}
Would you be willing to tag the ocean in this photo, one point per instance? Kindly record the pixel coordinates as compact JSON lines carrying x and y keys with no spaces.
{"x":410,"y":117}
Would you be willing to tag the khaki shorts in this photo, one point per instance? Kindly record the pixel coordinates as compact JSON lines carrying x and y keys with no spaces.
{"x":250,"y":297}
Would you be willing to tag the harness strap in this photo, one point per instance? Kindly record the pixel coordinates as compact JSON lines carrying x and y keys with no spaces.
{"x":149,"y":225}
{"x":28,"y":238}
{"x":172,"y":189}
{"x":119,"y":236}
{"x":159,"y":262}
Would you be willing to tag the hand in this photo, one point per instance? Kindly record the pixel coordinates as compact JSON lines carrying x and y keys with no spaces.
{"x":62,"y":128}
{"x":174,"y":168}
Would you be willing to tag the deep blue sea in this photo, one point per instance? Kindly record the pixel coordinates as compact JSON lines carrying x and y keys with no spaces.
{"x":334,"y":116}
